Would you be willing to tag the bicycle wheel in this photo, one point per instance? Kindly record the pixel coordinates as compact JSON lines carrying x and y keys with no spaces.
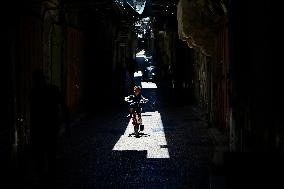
{"x":141,"y":127}
{"x":136,"y":128}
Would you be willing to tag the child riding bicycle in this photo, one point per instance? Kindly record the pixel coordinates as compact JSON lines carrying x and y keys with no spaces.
{"x":134,"y":103}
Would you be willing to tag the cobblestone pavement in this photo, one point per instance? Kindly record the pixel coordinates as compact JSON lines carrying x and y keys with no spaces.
{"x":174,"y":152}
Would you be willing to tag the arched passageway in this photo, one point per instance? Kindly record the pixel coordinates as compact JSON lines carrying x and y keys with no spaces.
{"x":214,"y":111}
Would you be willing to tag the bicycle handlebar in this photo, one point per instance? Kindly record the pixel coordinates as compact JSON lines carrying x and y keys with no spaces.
{"x":142,"y":101}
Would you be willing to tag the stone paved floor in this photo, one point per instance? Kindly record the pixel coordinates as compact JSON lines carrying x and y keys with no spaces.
{"x":174,"y":152}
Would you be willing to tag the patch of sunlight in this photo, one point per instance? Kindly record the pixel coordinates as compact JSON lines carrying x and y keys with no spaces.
{"x":141,"y":54}
{"x":152,"y":139}
{"x":140,"y":7}
{"x":137,"y":5}
{"x":138,"y":74}
{"x":148,"y":85}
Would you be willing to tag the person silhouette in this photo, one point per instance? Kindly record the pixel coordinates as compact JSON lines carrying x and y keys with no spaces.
{"x":47,"y":105}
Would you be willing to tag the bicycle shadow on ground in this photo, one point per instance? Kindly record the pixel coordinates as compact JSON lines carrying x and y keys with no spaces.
{"x":139,"y":135}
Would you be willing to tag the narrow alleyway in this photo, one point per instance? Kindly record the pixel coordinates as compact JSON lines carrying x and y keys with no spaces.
{"x":174,"y":152}
{"x":214,"y":119}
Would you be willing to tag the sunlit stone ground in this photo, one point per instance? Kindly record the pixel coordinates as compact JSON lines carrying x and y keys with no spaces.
{"x":152,"y":139}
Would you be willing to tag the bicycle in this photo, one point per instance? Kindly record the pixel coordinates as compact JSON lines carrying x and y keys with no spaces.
{"x":136,"y":115}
